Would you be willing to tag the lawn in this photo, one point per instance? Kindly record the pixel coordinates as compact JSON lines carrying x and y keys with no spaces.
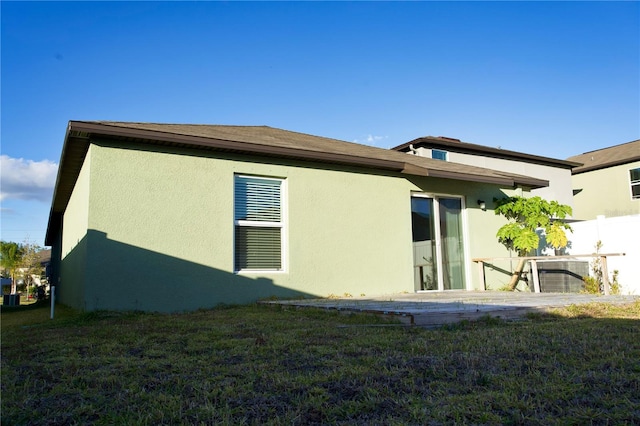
{"x":271,"y":365}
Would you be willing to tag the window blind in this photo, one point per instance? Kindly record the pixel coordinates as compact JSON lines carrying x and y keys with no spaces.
{"x":258,"y":248}
{"x":634,"y":176}
{"x":257,"y":199}
{"x":258,"y":223}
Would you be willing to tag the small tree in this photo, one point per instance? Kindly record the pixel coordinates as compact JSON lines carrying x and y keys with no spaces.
{"x":594,"y":283}
{"x":10,"y":258}
{"x":526,"y":216}
{"x":30,"y":262}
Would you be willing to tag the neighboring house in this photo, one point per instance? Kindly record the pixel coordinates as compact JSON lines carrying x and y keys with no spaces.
{"x":607,"y":202}
{"x":163,"y":217}
{"x":557,"y":172}
{"x":608,"y":182}
{"x":45,"y":263}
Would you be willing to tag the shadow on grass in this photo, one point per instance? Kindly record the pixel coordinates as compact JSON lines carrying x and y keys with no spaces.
{"x":257,"y":364}
{"x":5,"y":309}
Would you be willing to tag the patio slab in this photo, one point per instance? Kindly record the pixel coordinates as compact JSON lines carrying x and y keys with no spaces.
{"x":439,"y":308}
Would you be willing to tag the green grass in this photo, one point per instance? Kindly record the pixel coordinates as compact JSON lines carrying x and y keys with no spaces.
{"x":272,"y":365}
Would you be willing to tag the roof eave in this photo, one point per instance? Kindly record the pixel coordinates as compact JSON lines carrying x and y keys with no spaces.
{"x":578,"y":170}
{"x":61,"y":188}
{"x":466,"y":147}
{"x":79,"y":135}
{"x":96,"y":129}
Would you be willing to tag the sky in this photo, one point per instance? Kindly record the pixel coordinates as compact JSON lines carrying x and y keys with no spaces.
{"x":547,"y":78}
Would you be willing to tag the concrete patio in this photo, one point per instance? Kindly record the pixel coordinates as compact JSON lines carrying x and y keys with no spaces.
{"x":438,"y":308}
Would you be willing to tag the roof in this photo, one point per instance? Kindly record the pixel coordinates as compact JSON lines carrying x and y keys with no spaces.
{"x":455,"y":145}
{"x":254,"y":140}
{"x":44,"y":256}
{"x":607,"y":157}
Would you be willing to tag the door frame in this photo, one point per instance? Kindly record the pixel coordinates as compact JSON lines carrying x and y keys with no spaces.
{"x":465,"y":237}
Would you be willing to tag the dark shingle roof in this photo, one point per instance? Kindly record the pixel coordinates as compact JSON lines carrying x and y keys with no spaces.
{"x":455,"y":145}
{"x":257,"y":140}
{"x":607,"y":157}
{"x":44,"y":256}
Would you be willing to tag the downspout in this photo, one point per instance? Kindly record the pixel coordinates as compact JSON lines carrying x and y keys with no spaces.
{"x":413,"y":150}
{"x":53,"y":299}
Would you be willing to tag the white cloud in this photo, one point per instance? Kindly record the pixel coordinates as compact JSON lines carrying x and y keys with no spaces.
{"x":370,"y":139}
{"x":26,"y":179}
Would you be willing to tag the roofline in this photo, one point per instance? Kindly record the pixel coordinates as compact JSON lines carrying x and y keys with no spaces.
{"x":80,"y":134}
{"x":620,"y":162}
{"x":522,"y":180}
{"x":97,"y":129}
{"x":606,"y":148}
{"x":465,"y":147}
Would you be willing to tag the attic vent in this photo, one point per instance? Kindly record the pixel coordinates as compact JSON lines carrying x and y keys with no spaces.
{"x":449,"y":139}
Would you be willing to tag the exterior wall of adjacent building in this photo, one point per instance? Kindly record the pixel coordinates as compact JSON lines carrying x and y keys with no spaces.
{"x":559,"y":178}
{"x":605,"y":192}
{"x":153,"y":229}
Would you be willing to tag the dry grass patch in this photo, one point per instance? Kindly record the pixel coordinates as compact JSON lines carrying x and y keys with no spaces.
{"x":273,"y":365}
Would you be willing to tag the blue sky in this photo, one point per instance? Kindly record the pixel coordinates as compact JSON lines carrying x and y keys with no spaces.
{"x":547,"y":78}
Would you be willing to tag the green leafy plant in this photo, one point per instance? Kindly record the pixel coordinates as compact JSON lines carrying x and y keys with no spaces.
{"x":591,"y":285}
{"x":594,"y":284}
{"x":526,"y":216}
{"x":10,"y":258}
{"x":30,"y":263}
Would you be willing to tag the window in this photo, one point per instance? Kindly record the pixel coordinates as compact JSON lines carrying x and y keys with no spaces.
{"x":634,"y":177}
{"x":439,"y":154}
{"x":258,"y":222}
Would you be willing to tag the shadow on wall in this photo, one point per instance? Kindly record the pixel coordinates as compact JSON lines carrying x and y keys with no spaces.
{"x":102,"y":274}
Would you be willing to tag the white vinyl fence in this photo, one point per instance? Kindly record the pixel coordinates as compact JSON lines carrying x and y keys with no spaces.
{"x":618,"y":235}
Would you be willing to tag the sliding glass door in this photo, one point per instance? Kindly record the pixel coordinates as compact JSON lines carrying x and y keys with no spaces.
{"x":438,"y":243}
{"x":425,"y":264}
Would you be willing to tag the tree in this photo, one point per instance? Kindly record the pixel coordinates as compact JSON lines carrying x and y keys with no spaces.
{"x":526,"y":216}
{"x":10,"y":258}
{"x":30,"y":262}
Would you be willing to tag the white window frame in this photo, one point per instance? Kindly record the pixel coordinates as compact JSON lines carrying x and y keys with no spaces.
{"x":633,"y":183}
{"x":251,"y":223}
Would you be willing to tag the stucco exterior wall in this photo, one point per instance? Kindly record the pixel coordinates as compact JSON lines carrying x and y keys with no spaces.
{"x":604,"y":192}
{"x":75,"y":224}
{"x":153,"y":230}
{"x":559,"y":188}
{"x":167,"y":219}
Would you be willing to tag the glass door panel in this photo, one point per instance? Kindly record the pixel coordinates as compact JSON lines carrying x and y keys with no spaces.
{"x":438,"y":248}
{"x":424,"y":244}
{"x":452,"y":247}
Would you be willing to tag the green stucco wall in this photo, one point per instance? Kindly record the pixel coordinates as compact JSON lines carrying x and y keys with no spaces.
{"x":75,"y":224}
{"x":604,"y":192}
{"x":158,"y":230}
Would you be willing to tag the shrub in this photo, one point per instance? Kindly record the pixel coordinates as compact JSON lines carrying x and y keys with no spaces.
{"x":594,"y":284}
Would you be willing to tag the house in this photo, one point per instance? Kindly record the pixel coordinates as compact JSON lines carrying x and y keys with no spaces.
{"x":171,"y":217}
{"x":557,"y":172}
{"x":608,"y":182}
{"x":607,"y":201}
